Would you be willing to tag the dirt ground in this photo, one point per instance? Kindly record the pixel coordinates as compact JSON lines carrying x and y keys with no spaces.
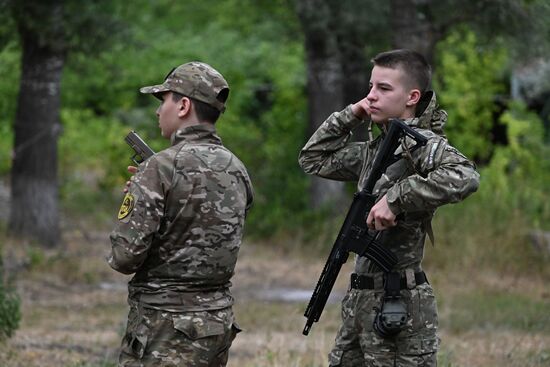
{"x":74,"y":312}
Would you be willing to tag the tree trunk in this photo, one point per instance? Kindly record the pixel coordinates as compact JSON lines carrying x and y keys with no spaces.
{"x":355,"y":66}
{"x":34,"y":187}
{"x":412,"y":28}
{"x":324,"y":84}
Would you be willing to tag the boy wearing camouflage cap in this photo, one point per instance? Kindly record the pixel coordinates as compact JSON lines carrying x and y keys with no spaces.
{"x":408,"y":194}
{"x":180,"y":228}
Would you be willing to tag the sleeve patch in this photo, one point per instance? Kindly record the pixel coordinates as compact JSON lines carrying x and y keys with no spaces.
{"x":127,"y":206}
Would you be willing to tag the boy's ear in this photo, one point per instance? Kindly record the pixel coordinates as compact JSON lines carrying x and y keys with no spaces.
{"x":184,"y":105}
{"x":414,"y":97}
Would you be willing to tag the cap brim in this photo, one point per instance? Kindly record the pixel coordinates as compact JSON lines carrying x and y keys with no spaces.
{"x":154,"y":89}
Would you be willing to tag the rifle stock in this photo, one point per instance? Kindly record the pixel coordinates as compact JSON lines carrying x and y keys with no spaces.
{"x":354,"y":235}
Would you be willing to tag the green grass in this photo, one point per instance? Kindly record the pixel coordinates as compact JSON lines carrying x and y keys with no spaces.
{"x":478,"y":235}
{"x":445,"y":358}
{"x":252,"y":315}
{"x":276,"y":330}
{"x":497,"y":310}
{"x":92,"y":364}
{"x":539,"y":359}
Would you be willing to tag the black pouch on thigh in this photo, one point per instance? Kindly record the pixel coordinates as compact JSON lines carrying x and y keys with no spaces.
{"x":392,"y":317}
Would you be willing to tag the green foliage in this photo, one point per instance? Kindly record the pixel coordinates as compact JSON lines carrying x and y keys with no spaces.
{"x":491,"y":229}
{"x":36,"y":256}
{"x":6,"y":144}
{"x":275,"y":125}
{"x":92,"y":158}
{"x":10,"y":304}
{"x":10,"y":313}
{"x":518,"y":174}
{"x":469,"y":80}
{"x":63,"y":25}
{"x":265,"y":121}
{"x":9,"y":75}
{"x":258,"y":46}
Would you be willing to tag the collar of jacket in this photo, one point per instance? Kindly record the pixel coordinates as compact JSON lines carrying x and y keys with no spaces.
{"x":202,"y":132}
{"x":428,"y":115}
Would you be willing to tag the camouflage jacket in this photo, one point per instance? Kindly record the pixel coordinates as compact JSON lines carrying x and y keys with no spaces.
{"x":433,"y":175}
{"x":181,"y":223}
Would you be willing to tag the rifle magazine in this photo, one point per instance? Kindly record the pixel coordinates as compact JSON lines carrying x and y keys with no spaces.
{"x":381,"y":256}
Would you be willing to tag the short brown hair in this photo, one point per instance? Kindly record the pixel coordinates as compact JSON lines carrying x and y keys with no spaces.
{"x":415,"y":66}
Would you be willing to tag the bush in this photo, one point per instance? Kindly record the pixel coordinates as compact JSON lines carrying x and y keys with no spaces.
{"x":10,"y":313}
{"x":93,"y":158}
{"x":9,"y":75}
{"x":469,"y":79}
{"x":490,"y":229}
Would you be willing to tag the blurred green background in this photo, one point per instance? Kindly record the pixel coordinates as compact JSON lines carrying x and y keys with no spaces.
{"x":259,"y":47}
{"x":491,"y":74}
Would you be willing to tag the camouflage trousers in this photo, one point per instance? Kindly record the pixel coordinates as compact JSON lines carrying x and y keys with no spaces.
{"x":357,"y":344}
{"x":161,"y":338}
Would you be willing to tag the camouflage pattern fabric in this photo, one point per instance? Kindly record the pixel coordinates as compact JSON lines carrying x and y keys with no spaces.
{"x":196,"y":80}
{"x":180,"y":229}
{"x":181,"y":224}
{"x":358,"y":345}
{"x":431,"y":176}
{"x":160,"y":338}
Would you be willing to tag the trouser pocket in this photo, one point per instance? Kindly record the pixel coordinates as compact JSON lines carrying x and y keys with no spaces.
{"x":197,"y":325}
{"x":136,"y":337}
{"x":209,"y":335}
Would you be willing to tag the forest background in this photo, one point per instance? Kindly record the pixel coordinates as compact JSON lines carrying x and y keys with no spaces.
{"x":289,"y":65}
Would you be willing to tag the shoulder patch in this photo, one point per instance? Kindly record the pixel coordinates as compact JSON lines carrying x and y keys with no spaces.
{"x":127,"y":206}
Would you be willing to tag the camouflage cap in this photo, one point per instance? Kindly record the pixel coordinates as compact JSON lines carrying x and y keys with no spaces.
{"x":195,"y":80}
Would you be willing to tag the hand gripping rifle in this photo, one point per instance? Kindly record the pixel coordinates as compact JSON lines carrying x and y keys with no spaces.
{"x":354,"y":235}
{"x":141,"y":149}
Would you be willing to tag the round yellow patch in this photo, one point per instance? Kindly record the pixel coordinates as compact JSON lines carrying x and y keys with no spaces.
{"x":127,"y":206}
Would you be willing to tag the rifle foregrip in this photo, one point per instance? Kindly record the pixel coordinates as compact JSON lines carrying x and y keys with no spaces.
{"x":324,"y":286}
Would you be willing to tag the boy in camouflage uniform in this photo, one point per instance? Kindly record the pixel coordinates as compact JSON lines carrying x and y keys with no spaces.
{"x":408,"y":194}
{"x":179,"y":230}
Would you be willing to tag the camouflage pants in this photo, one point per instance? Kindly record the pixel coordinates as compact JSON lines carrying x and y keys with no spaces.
{"x":160,"y":338}
{"x":358,"y":345}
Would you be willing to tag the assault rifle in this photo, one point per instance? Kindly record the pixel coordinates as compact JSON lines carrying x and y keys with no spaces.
{"x":354,"y":235}
{"x":141,"y":149}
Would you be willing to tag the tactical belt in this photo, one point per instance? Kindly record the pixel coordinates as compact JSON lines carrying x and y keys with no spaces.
{"x":367,"y":282}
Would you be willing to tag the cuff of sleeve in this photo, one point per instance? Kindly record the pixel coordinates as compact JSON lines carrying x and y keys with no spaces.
{"x":393,"y":199}
{"x":349,"y":119}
